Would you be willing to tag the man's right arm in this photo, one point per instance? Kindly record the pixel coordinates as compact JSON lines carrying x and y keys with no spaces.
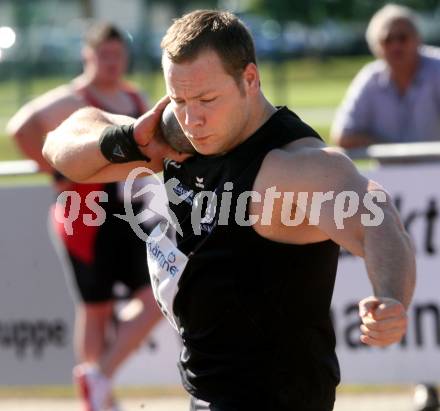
{"x":28,"y":135}
{"x":35,"y":119}
{"x":73,"y":147}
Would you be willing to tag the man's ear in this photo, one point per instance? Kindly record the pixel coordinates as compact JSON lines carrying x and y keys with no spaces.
{"x":251,"y":78}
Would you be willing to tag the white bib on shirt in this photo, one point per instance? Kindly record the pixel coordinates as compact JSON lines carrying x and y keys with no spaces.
{"x":165,"y":264}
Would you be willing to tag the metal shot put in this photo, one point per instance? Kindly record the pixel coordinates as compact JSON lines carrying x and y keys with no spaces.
{"x":173,"y":133}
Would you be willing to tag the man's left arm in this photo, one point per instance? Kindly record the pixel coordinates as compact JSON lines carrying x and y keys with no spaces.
{"x":372,"y":230}
{"x":390,"y":263}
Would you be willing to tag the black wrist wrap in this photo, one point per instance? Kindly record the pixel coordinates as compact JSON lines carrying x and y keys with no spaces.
{"x":117,"y":144}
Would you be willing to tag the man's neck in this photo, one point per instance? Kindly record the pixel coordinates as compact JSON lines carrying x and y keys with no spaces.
{"x":262,"y":112}
{"x":96,"y":86}
{"x":105,"y":88}
{"x":404,"y":76}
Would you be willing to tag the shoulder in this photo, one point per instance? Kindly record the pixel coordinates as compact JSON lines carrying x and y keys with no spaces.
{"x":49,"y":109}
{"x":58,"y":96}
{"x":364,"y":84}
{"x":61,"y":97}
{"x":130,"y":87}
{"x":306,"y":165}
{"x":431,"y":60}
{"x":133,"y":91}
{"x":289,"y":126}
{"x":372,"y":69}
{"x":368,"y":76}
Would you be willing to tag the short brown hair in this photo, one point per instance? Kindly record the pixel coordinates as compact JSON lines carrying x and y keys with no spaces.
{"x":219,"y":31}
{"x":100,"y":32}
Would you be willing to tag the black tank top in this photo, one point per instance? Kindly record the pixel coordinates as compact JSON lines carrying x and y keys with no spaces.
{"x":253,"y":314}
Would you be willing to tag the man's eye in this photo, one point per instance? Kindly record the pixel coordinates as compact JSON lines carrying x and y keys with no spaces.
{"x":207,"y":100}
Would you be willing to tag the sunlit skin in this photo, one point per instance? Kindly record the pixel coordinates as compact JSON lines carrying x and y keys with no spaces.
{"x":211,"y":107}
{"x":106,"y":63}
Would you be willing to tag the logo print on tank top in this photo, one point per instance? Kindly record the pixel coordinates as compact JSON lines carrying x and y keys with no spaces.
{"x":199,"y":182}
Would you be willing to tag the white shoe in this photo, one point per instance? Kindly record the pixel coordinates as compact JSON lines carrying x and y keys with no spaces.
{"x":94,"y":387}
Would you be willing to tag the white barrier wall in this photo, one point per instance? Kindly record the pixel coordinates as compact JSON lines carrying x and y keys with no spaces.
{"x":36,"y":310}
{"x":416,"y":191}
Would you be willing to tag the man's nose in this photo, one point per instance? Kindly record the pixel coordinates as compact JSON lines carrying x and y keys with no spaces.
{"x":193,"y":116}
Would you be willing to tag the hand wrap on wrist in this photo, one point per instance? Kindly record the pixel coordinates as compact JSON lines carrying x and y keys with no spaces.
{"x":117,"y":145}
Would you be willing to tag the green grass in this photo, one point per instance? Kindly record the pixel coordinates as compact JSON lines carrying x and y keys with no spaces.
{"x":310,"y":83}
{"x":8,"y":151}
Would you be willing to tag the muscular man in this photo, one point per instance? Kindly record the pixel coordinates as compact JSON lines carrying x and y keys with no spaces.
{"x":105,"y":255}
{"x":397,"y":97}
{"x":249,"y":285}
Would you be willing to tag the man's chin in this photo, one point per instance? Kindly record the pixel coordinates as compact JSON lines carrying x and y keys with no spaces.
{"x":207,"y":151}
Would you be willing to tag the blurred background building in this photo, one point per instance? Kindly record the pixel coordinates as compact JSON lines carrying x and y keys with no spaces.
{"x":48,"y":32}
{"x":40,"y":44}
{"x":309,"y":51}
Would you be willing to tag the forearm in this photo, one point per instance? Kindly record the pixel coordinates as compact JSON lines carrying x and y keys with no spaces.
{"x":72,"y":148}
{"x":389,"y":259}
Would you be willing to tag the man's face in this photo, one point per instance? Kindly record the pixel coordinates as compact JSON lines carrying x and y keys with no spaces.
{"x":108,"y":61}
{"x":210,"y":106}
{"x":399,"y":45}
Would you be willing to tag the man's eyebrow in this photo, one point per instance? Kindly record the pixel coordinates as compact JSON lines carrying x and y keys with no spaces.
{"x":203,"y":93}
